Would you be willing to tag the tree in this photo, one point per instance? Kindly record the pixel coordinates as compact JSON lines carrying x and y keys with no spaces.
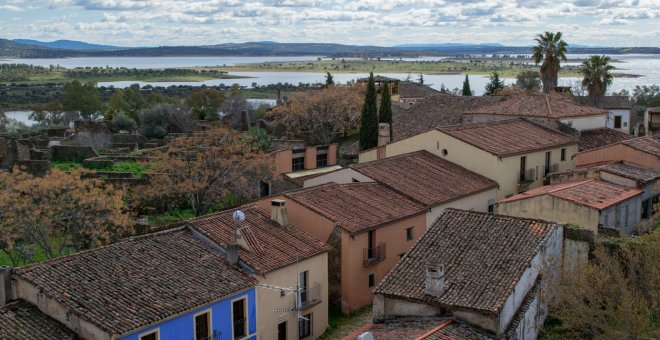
{"x":597,"y":77}
{"x":116,"y":104}
{"x":528,"y":81}
{"x":329,"y":81}
{"x":551,"y":49}
{"x":123,"y":122}
{"x":615,"y":295}
{"x":48,"y":114}
{"x":161,"y":119}
{"x":369,"y":117}
{"x":319,"y":117}
{"x":466,"y":87}
{"x":201,"y":170}
{"x":385,"y":110}
{"x":494,"y":85}
{"x":206,"y":103}
{"x":83,"y":98}
{"x":58,"y":213}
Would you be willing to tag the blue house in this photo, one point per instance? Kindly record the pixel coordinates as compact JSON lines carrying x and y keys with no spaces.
{"x":162,"y":286}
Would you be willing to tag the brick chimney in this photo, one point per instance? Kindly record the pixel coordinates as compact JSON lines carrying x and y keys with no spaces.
{"x":383,"y":134}
{"x":278,"y":212}
{"x":434,"y":283}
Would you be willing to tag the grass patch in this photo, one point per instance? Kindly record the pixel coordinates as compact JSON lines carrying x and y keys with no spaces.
{"x":551,"y":329}
{"x":170,"y":217}
{"x":39,"y":254}
{"x":137,"y":169}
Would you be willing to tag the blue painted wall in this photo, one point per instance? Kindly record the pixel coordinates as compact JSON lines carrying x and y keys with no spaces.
{"x":182,"y":327}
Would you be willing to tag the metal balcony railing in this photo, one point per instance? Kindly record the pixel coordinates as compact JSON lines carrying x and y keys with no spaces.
{"x":310,"y":296}
{"x":552,"y":168}
{"x":526,"y":177}
{"x":373,"y":255}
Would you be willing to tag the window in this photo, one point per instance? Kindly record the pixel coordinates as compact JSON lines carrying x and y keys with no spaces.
{"x":409,"y":233}
{"x":546,"y":169}
{"x":563,"y":155}
{"x":523,"y":165}
{"x":304,"y":278}
{"x":491,"y":208}
{"x":298,"y":164}
{"x":372,"y":280}
{"x":264,"y":188}
{"x":617,"y":122}
{"x":203,"y":325}
{"x":355,"y":180}
{"x":238,"y":318}
{"x":151,"y":335}
{"x":281,"y":331}
{"x":321,"y":156}
{"x":305,"y":326}
{"x":370,"y":244}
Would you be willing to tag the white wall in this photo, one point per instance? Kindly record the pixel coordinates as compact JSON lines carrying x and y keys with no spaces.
{"x":586,"y":123}
{"x":625,"y":119}
{"x":343,"y":176}
{"x":476,"y":202}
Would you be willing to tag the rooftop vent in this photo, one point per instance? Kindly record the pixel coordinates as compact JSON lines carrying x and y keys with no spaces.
{"x":435,"y":279}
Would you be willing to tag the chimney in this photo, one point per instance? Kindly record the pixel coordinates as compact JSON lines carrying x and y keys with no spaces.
{"x":278,"y":212}
{"x":5,"y":284}
{"x":435,"y":279}
{"x":232,"y":254}
{"x":383,"y":134}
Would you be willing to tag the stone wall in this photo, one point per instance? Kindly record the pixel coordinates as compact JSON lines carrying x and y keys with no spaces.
{"x":72,"y":153}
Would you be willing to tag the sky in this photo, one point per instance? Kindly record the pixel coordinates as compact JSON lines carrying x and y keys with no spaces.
{"x":362,"y":22}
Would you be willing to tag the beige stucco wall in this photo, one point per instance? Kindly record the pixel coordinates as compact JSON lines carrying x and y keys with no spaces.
{"x":553,"y":209}
{"x":617,"y":152}
{"x":586,"y":123}
{"x":283,"y":161}
{"x":476,"y":202}
{"x":503,"y":170}
{"x":269,"y":300}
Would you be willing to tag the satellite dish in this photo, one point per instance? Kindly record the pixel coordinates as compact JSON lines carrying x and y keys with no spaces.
{"x":238,"y":216}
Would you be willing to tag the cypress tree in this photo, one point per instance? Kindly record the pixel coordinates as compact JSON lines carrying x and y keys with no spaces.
{"x":329,"y":81}
{"x":385,"y":110}
{"x":369,"y":117}
{"x":466,"y":87}
{"x":494,"y":85}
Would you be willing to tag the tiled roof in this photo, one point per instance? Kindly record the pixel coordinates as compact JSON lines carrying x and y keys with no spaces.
{"x":271,"y":245}
{"x":591,"y":193}
{"x":433,"y":111}
{"x":607,"y":102}
{"x":595,"y":138}
{"x":484,"y":256}
{"x":137,"y":282}
{"x":408,"y":89}
{"x":420,"y":328}
{"x":425,"y":177}
{"x":508,"y":137}
{"x":537,"y":105}
{"x":632,"y":171}
{"x":649,"y":144}
{"x":21,"y":320}
{"x":357,"y":207}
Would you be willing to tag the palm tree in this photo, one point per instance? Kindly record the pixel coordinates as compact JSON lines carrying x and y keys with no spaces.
{"x":551,"y":49}
{"x":597,"y":77}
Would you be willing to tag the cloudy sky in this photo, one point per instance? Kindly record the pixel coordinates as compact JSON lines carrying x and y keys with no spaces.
{"x":363,"y":22}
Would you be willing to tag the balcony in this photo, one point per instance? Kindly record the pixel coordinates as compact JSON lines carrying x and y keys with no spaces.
{"x":551,"y":169}
{"x":526,"y":177}
{"x":310,"y":297}
{"x":373,"y":255}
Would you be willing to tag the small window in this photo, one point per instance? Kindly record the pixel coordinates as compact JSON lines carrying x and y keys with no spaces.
{"x":151,"y":335}
{"x":409,"y":233}
{"x":445,"y":152}
{"x":321,"y":160}
{"x":203,"y":326}
{"x":372,"y":280}
{"x":298,"y":163}
{"x":563,"y":155}
{"x":239,"y":319}
{"x":491,"y":208}
{"x":305,"y":326}
{"x":617,"y":122}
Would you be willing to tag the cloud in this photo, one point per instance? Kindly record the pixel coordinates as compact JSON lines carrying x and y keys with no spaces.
{"x":11,"y":8}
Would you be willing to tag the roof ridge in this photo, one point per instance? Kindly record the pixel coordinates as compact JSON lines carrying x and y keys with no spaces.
{"x":483,"y":213}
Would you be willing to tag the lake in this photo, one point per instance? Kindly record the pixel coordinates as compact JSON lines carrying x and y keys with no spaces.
{"x":648,"y":66}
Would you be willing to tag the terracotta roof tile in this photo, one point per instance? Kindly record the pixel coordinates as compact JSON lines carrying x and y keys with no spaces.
{"x":137,"y":282}
{"x":426,"y":177}
{"x":484,"y":256}
{"x":591,"y":193}
{"x":537,"y":105}
{"x":408,"y":89}
{"x":607,"y":102}
{"x":412,"y":329}
{"x":433,"y":111}
{"x":21,"y":320}
{"x":648,"y":144}
{"x":632,"y":171}
{"x":595,"y":138}
{"x":508,"y":137}
{"x":271,"y":245}
{"x":357,"y":207}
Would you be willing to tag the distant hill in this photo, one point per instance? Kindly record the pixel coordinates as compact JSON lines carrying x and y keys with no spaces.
{"x":67,"y":44}
{"x":12,"y":49}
